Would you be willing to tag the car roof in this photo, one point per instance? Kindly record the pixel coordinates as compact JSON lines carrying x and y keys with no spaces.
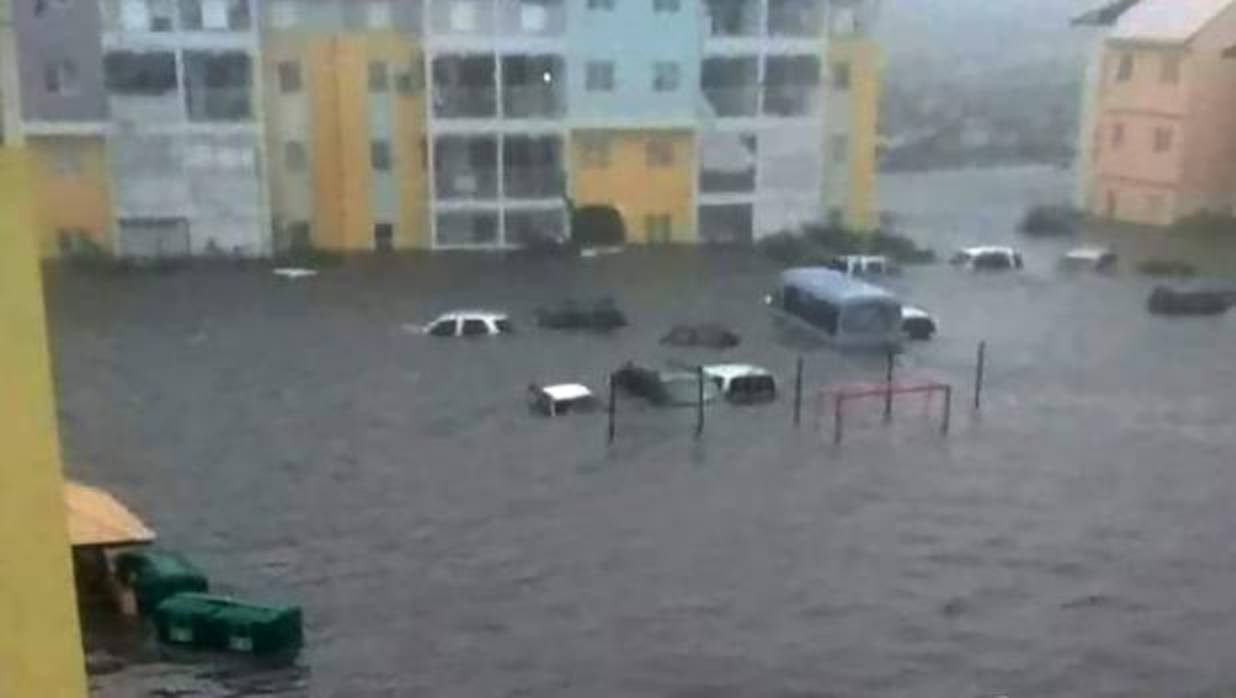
{"x":1091,"y":253}
{"x":988,"y":249}
{"x":864,"y":258}
{"x":566,"y":391}
{"x":833,"y":284}
{"x":913,"y":311}
{"x":729,"y":371}
{"x":473,"y":315}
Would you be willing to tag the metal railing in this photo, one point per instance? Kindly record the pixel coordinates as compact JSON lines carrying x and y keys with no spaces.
{"x":220,"y":104}
{"x":790,"y":100}
{"x":465,"y":102}
{"x":524,"y":182}
{"x":524,"y":101}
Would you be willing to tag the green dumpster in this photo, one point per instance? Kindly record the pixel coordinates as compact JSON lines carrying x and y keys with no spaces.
{"x":155,"y":575}
{"x":207,"y":622}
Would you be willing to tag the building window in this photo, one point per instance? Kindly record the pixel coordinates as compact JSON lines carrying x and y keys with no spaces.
{"x":161,"y":15}
{"x":665,"y":76}
{"x":294,"y":159}
{"x":841,"y":75}
{"x":379,"y":79}
{"x":665,"y":5}
{"x":1124,"y":72}
{"x":289,"y":77}
{"x":1162,"y":139}
{"x":463,"y":16}
{"x":599,"y":76}
{"x":533,"y":17}
{"x":380,"y":155}
{"x":135,"y":73}
{"x":1169,"y":71}
{"x":600,"y":4}
{"x":840,"y":147}
{"x":594,"y":152}
{"x":657,"y":227}
{"x":1117,"y":135}
{"x":383,"y":237}
{"x":659,"y":152}
{"x":283,"y":14}
{"x":60,"y":78}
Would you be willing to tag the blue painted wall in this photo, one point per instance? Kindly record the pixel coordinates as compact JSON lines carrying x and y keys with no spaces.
{"x":634,"y":37}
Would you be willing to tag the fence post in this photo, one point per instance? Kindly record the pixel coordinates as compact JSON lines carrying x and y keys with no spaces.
{"x":699,"y":402}
{"x":612,"y":404}
{"x":837,"y":401}
{"x":888,"y":387}
{"x":948,"y":408}
{"x":798,"y":392}
{"x":978,"y":374}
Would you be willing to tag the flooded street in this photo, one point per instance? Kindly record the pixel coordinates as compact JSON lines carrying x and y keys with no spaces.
{"x":295,"y":439}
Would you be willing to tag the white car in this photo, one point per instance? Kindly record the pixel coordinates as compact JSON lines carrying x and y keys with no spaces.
{"x":1096,"y":258}
{"x":743,"y":383}
{"x":469,"y":323}
{"x":861,"y":265}
{"x":917,"y":323}
{"x":987,"y":258}
{"x":554,"y":400}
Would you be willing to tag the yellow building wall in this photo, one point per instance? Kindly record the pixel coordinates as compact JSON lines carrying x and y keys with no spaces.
{"x":40,"y":644}
{"x":334,"y":69}
{"x":863,"y":55}
{"x":633,"y":187}
{"x":71,"y":190}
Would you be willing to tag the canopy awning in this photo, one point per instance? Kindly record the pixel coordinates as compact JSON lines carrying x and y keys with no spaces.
{"x":96,"y":518}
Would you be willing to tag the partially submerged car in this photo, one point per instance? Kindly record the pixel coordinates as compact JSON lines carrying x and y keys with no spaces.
{"x":862,"y":265}
{"x":560,"y":399}
{"x":987,"y":258}
{"x":743,"y":384}
{"x":602,"y":316}
{"x":1096,"y":258}
{"x":664,"y":387}
{"x":710,"y":335}
{"x":469,"y":323}
{"x":1196,"y":299}
{"x":917,"y":323}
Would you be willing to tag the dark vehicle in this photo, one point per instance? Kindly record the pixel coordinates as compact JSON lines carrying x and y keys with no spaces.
{"x":917,"y":323}
{"x":603,"y":316}
{"x":664,"y":387}
{"x":1200,"y":300}
{"x":709,"y":335}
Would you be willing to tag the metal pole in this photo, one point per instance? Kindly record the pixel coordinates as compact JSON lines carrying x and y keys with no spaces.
{"x":978,"y":374}
{"x":699,"y":403}
{"x":948,"y":408}
{"x":888,"y":387}
{"x":798,"y":393}
{"x":837,"y":419}
{"x":613,"y":403}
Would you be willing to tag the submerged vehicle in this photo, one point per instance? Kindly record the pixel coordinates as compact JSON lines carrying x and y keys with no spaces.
{"x":1096,"y":258}
{"x":560,"y":399}
{"x":862,"y":265}
{"x":1197,"y":299}
{"x":673,"y":387}
{"x":848,"y":312}
{"x":743,"y":383}
{"x":469,"y":323}
{"x":987,"y":258}
{"x":602,"y":316}
{"x":917,"y":323}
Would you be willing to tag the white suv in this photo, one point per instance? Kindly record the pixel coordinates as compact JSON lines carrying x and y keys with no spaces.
{"x":469,"y":323}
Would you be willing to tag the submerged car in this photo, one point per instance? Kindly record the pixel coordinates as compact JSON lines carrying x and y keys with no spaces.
{"x":743,"y":383}
{"x":469,"y":323}
{"x":1096,"y":258}
{"x":987,"y":258}
{"x":664,"y":387}
{"x":1195,"y":299}
{"x":602,"y":316}
{"x":917,"y":323}
{"x":560,"y":399}
{"x":710,"y":335}
{"x":861,"y":265}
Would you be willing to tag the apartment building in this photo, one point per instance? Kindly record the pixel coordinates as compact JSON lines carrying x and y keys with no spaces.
{"x":1163,"y":135}
{"x":227,"y":126}
{"x":345,"y":124}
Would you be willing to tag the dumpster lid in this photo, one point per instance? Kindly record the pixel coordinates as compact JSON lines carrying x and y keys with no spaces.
{"x":95,"y":517}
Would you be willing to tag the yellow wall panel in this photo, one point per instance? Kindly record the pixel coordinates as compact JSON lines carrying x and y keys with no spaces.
{"x":71,"y":190}
{"x":635,"y":188}
{"x":40,"y":644}
{"x":863,"y":55}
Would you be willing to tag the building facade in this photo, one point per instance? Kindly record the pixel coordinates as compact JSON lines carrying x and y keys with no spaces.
{"x":1163,"y":127}
{"x":232,"y":127}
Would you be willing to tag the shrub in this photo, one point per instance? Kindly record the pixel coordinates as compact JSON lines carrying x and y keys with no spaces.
{"x":1047,"y":221}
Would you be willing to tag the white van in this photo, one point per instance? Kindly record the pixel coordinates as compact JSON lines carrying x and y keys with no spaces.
{"x":987,"y":258}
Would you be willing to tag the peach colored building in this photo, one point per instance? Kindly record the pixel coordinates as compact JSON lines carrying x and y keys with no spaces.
{"x":1164,"y":123}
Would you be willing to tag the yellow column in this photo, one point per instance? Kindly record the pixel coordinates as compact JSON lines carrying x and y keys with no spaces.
{"x":863,"y":55}
{"x":40,"y":640}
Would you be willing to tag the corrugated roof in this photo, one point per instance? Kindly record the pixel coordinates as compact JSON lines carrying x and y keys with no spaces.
{"x":1167,"y":21}
{"x":97,"y":518}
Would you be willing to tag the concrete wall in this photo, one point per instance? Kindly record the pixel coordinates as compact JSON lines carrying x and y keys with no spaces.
{"x":41,"y":646}
{"x":634,"y":37}
{"x":71,"y":183}
{"x":633,"y":187}
{"x":61,"y":32}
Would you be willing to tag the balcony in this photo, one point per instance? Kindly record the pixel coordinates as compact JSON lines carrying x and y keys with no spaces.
{"x":466,"y":167}
{"x":219,"y":104}
{"x":531,"y":101}
{"x":791,"y":85}
{"x":532,"y":167}
{"x":795,"y":18}
{"x":790,"y":100}
{"x":535,"y":226}
{"x":467,"y":228}
{"x":465,"y":87}
{"x":533,"y":86}
{"x":733,"y":18}
{"x":733,"y":101}
{"x":465,"y":102}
